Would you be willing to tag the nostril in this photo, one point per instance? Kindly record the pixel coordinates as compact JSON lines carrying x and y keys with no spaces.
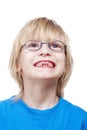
{"x":48,"y":54}
{"x":44,"y":54}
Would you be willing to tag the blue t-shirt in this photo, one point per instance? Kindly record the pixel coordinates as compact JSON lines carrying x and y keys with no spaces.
{"x":16,"y":115}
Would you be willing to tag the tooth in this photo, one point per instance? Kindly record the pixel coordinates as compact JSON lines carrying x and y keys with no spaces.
{"x":44,"y":63}
{"x":50,"y":64}
{"x":39,"y":64}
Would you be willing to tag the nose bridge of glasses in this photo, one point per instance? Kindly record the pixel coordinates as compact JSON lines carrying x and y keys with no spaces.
{"x":45,"y":44}
{"x":45,"y":47}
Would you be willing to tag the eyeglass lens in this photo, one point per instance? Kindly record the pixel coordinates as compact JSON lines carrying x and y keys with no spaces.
{"x":36,"y":45}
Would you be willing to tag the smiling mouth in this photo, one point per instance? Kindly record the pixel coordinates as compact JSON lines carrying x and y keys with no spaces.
{"x":45,"y":64}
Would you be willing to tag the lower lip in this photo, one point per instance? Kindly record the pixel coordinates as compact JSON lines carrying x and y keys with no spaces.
{"x":44,"y":67}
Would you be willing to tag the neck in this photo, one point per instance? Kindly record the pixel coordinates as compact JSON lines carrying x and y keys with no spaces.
{"x":40,"y":94}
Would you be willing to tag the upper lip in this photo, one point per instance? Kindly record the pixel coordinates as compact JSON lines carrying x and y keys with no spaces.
{"x":52,"y":62}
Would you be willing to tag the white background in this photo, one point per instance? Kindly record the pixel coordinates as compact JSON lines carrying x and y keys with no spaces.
{"x":71,"y":15}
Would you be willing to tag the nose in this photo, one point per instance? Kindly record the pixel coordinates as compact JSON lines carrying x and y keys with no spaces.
{"x":45,"y":51}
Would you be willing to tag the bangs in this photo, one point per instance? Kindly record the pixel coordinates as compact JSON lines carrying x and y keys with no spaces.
{"x":44,"y":33}
{"x":43,"y":30}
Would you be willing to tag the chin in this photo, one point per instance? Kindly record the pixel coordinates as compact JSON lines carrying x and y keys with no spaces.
{"x":46,"y":77}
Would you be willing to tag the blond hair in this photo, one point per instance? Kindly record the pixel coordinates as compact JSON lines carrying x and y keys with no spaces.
{"x":43,"y":29}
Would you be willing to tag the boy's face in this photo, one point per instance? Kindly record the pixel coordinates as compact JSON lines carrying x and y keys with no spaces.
{"x":42,"y":64}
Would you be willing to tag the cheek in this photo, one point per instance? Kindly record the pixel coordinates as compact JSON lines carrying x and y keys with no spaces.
{"x":61,"y":63}
{"x":24,"y":62}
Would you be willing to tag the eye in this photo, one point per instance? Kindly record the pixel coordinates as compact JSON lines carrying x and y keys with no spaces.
{"x":32,"y":44}
{"x":56,"y":45}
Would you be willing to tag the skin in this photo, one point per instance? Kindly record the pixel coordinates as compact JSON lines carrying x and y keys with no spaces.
{"x":40,"y":83}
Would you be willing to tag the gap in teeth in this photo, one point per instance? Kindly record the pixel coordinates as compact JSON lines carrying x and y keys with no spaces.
{"x":41,"y":64}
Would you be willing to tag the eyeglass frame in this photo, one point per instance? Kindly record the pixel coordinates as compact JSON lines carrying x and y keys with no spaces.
{"x":48,"y":43}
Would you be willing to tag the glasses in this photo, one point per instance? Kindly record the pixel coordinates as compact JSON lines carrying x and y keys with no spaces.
{"x":34,"y":45}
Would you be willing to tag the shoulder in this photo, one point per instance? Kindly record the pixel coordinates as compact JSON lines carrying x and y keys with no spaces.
{"x":75,"y":111}
{"x":73,"y":108}
{"x":6,"y":115}
{"x":7,"y":101}
{"x":6,"y":104}
{"x":72,"y":114}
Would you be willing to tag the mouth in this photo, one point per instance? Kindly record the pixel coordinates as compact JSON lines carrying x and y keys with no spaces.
{"x":45,"y":64}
